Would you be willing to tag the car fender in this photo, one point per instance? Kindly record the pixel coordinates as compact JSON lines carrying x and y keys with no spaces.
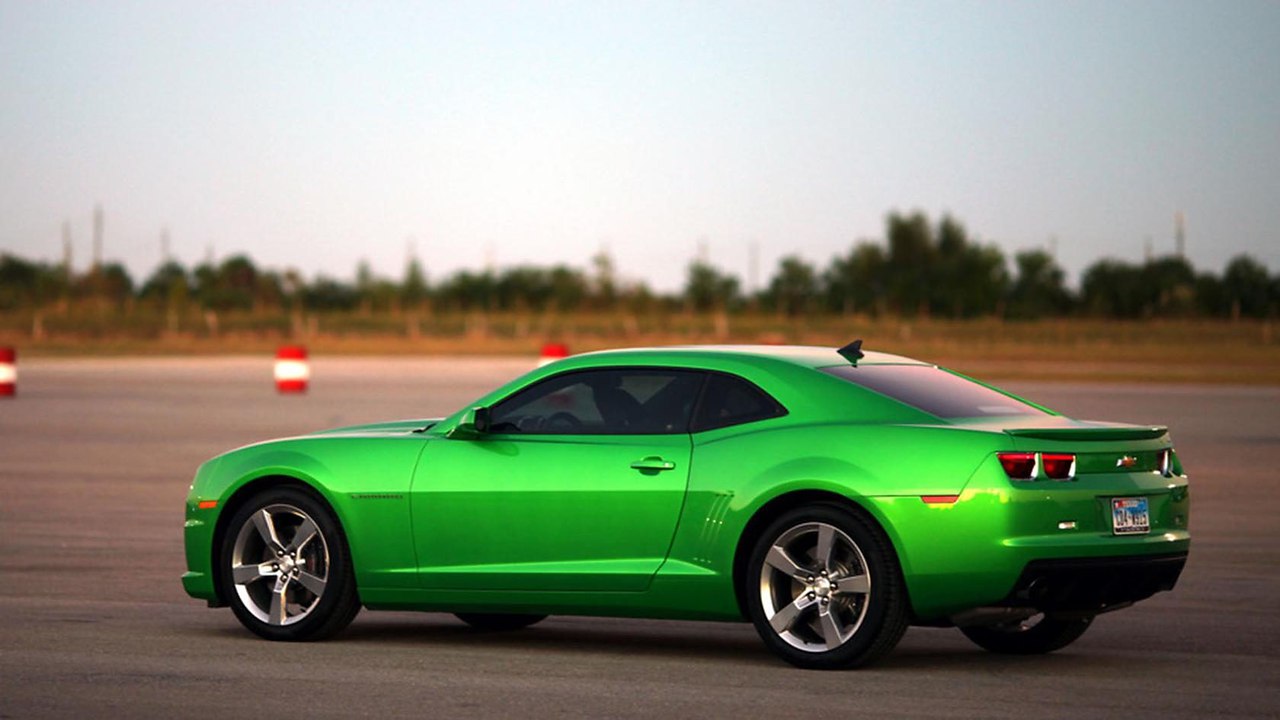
{"x":371,"y":504}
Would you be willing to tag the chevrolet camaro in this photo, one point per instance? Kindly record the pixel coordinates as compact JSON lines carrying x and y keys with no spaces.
{"x":830,"y":497}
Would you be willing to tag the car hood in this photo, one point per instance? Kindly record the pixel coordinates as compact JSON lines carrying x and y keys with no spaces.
{"x":394,"y":427}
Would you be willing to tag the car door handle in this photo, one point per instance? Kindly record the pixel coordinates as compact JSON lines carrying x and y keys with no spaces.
{"x":653,"y":463}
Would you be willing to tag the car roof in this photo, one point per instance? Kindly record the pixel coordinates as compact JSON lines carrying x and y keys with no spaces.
{"x":801,"y":355}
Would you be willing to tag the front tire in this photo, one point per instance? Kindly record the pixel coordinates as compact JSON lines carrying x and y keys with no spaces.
{"x":1036,"y":635}
{"x":286,"y":570}
{"x":824,"y":589}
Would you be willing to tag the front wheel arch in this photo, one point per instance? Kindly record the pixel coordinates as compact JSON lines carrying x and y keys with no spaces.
{"x":243,"y":494}
{"x":774,"y":509}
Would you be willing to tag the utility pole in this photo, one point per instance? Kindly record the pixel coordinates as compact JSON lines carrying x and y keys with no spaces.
{"x":97,"y":236}
{"x":164,"y":246}
{"x":66,"y":249}
{"x":1053,"y":246}
{"x":1180,"y":233}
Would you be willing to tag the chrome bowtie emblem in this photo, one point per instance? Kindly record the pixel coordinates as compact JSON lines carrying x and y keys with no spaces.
{"x":1127,"y":461}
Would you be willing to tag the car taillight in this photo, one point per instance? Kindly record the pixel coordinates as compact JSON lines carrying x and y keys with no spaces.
{"x":1162,"y":462}
{"x":1029,"y":465}
{"x":1059,"y":466}
{"x":1018,"y":465}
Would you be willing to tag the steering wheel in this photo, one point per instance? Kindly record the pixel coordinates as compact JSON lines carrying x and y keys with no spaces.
{"x":563,"y":421}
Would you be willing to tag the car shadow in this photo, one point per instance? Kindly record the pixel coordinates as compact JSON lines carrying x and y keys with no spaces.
{"x":594,"y":638}
{"x":733,"y":644}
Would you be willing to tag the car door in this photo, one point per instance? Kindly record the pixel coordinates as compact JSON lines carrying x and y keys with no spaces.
{"x":577,"y":486}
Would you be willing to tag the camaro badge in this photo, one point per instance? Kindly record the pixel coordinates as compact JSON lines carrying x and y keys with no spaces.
{"x":1127,"y":461}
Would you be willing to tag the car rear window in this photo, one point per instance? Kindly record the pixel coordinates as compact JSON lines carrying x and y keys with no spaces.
{"x":934,"y":391}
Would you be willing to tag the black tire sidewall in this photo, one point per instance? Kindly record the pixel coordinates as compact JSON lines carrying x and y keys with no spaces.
{"x":886,"y":612}
{"x":335,"y":606}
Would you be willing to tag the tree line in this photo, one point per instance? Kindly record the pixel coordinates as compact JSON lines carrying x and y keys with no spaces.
{"x":920,"y":269}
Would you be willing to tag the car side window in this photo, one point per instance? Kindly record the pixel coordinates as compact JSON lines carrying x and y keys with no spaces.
{"x":622,"y":401}
{"x":730,"y":400}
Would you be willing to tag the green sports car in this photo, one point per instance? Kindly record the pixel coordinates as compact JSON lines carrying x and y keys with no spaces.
{"x":831,"y":497}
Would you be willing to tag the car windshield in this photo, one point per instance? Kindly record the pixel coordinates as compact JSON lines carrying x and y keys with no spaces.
{"x":934,"y":391}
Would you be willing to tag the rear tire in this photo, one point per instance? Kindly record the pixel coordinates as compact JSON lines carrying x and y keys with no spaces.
{"x":285,"y":567}
{"x":499,"y":622}
{"x":824,"y":590}
{"x":1028,"y":637}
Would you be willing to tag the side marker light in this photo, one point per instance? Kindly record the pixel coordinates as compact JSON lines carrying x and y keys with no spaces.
{"x":207,"y":504}
{"x":939,"y":499}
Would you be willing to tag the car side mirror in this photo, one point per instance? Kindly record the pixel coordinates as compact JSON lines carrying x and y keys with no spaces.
{"x":475,"y":421}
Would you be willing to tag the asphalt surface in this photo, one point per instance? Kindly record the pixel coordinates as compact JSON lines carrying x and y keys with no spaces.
{"x":96,"y":456}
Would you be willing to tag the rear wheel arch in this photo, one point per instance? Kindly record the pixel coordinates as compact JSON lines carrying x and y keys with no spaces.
{"x":775,"y":507}
{"x":244,"y":494}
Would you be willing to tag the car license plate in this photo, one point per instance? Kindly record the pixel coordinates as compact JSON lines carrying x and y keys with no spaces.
{"x":1130,"y":516}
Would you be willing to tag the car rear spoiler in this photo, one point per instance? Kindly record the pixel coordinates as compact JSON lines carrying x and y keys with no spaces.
{"x":1097,"y":434}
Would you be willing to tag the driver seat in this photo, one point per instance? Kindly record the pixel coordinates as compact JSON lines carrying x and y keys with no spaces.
{"x":619,"y":410}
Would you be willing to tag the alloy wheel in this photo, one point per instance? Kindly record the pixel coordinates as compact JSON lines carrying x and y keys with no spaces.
{"x":815,"y":587}
{"x":280,"y":564}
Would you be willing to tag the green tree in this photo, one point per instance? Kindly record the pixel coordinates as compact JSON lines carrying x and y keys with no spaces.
{"x":1211,"y":298}
{"x":706,"y":288}
{"x":983,"y":283}
{"x":1113,"y":288}
{"x":1038,"y":289}
{"x":966,"y":279}
{"x":268,"y":290}
{"x":910,"y":265}
{"x":168,"y":287}
{"x":376,"y":293}
{"x":233,"y":285}
{"x":109,"y":283}
{"x":466,"y":290}
{"x":328,"y":294}
{"x":1247,"y":287}
{"x":568,"y":287}
{"x":856,"y":282}
{"x":524,"y":287}
{"x":604,"y":283}
{"x":413,"y":291}
{"x":1169,"y":284}
{"x":24,"y":283}
{"x":158,"y":287}
{"x":794,"y":287}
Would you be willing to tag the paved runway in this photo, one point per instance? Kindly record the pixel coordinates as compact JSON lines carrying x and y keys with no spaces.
{"x":96,"y":455}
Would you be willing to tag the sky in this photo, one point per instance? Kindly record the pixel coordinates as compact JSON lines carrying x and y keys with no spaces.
{"x":317,"y":135}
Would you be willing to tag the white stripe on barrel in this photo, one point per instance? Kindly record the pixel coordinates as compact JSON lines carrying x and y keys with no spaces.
{"x":8,"y":372}
{"x":552,"y":352}
{"x":293,"y":372}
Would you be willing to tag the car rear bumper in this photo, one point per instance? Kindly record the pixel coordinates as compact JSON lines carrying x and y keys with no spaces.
{"x":1092,"y":585}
